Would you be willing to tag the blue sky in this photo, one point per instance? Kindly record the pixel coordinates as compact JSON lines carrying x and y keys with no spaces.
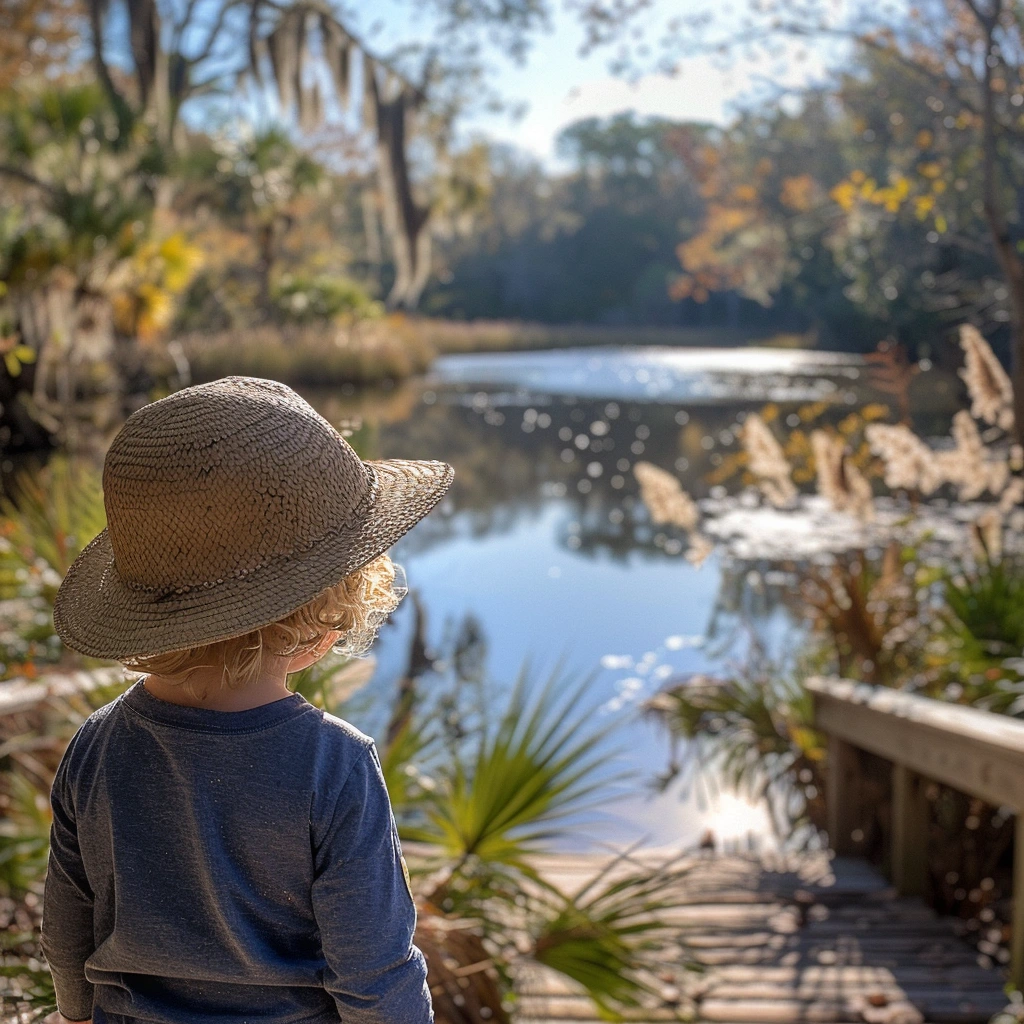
{"x":558,"y":86}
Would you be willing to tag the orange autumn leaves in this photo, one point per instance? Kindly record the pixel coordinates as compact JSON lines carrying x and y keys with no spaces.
{"x":739,"y":246}
{"x":758,"y":217}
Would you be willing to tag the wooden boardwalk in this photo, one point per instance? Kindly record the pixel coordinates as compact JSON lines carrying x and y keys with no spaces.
{"x":807,"y":939}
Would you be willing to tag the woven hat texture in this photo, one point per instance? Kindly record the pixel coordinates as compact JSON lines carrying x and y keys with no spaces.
{"x":229,"y":505}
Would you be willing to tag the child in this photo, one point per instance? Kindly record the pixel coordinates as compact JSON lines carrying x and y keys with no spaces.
{"x":221,"y":849}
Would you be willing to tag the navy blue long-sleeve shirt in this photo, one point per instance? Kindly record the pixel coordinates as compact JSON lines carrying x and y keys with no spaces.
{"x":237,"y":867}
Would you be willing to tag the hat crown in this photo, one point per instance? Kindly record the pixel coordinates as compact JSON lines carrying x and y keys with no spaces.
{"x":218,"y":480}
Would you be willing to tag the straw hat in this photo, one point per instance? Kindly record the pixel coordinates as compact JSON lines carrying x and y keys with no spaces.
{"x":229,"y":505}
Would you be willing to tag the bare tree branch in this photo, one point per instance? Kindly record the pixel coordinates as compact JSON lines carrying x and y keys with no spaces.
{"x":10,"y":171}
{"x":215,"y":30}
{"x":117,"y":99}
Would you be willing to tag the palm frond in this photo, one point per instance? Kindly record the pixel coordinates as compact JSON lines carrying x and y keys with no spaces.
{"x":613,"y":937}
{"x":534,"y":769}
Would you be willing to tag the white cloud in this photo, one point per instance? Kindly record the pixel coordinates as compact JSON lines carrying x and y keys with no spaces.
{"x":698,"y":94}
{"x":701,"y":93}
{"x":559,"y":87}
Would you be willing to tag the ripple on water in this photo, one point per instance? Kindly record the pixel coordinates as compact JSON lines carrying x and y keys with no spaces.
{"x":651,"y":374}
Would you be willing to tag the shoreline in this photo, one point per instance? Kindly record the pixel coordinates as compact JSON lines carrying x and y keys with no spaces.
{"x":397,"y":347}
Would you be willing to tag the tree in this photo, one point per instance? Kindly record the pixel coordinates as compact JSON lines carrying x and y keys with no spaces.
{"x":594,"y":244}
{"x":81,"y":257}
{"x":967,"y":59}
{"x":185,"y":54}
{"x":847,"y":208}
{"x":37,"y":35}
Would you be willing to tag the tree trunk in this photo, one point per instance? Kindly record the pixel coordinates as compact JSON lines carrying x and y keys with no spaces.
{"x":1017,"y":361}
{"x":405,"y":220}
{"x":1005,"y":247}
{"x":265,"y":265}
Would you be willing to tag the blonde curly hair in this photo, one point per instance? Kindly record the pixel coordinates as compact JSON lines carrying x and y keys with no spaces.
{"x":356,"y":607}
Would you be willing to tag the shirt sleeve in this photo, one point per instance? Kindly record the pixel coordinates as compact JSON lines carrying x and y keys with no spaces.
{"x":364,"y":908}
{"x":67,"y":926}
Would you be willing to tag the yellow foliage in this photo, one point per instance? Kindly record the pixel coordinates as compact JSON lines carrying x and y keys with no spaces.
{"x":923,"y":205}
{"x":160,"y":269}
{"x":15,"y":355}
{"x":924,"y":138}
{"x":812,"y":411}
{"x":874,"y":411}
{"x":155,"y":309}
{"x":844,"y":195}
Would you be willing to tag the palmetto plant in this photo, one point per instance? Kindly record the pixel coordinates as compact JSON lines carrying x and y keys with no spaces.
{"x":756,"y":731}
{"x":51,"y":514}
{"x":477,"y":835}
{"x":609,"y":936}
{"x":519,"y":780}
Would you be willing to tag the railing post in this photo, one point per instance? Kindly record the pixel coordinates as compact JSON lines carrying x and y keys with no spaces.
{"x":1017,"y":916}
{"x":842,"y":796}
{"x":910,"y":820}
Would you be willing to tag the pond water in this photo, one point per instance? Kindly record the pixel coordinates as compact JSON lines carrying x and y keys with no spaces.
{"x":542,"y":554}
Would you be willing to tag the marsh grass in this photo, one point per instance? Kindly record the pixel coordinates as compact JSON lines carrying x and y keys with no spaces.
{"x":312,"y":355}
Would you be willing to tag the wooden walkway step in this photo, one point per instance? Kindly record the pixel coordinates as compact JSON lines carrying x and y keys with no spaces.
{"x":808,"y":939}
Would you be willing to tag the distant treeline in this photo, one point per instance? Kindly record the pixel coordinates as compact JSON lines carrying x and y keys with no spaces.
{"x":847,"y":217}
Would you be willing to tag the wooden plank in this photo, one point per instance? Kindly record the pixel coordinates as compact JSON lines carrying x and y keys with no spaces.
{"x":1017,"y":917}
{"x":843,"y":797}
{"x":814,"y":940}
{"x":920,"y":994}
{"x":973,"y":751}
{"x":20,"y":695}
{"x":893,"y":959}
{"x":864,"y":975}
{"x":758,"y":1011}
{"x":910,"y":820}
{"x":577,"y":1008}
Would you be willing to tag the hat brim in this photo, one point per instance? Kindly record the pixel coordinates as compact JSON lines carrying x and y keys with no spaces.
{"x":98,"y":614}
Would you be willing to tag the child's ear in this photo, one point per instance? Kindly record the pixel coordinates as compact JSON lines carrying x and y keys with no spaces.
{"x":301,"y":661}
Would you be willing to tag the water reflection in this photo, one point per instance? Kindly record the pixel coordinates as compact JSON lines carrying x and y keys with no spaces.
{"x":544,"y":551}
{"x":660,"y":374}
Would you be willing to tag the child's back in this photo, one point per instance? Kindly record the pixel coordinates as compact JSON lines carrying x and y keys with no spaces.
{"x":229,"y":866}
{"x":222,"y":850}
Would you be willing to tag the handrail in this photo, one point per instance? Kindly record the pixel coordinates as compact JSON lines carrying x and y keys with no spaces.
{"x":22,"y":694}
{"x":973,"y":751}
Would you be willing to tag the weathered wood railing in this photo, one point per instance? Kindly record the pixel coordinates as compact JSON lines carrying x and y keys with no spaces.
{"x":976,"y":752}
{"x":21,"y":694}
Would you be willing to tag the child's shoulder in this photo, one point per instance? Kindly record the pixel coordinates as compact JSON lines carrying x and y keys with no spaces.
{"x":99,"y":719}
{"x":343,"y":734}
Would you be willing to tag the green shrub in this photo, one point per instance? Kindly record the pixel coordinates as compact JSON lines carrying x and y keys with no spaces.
{"x":306,"y":299}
